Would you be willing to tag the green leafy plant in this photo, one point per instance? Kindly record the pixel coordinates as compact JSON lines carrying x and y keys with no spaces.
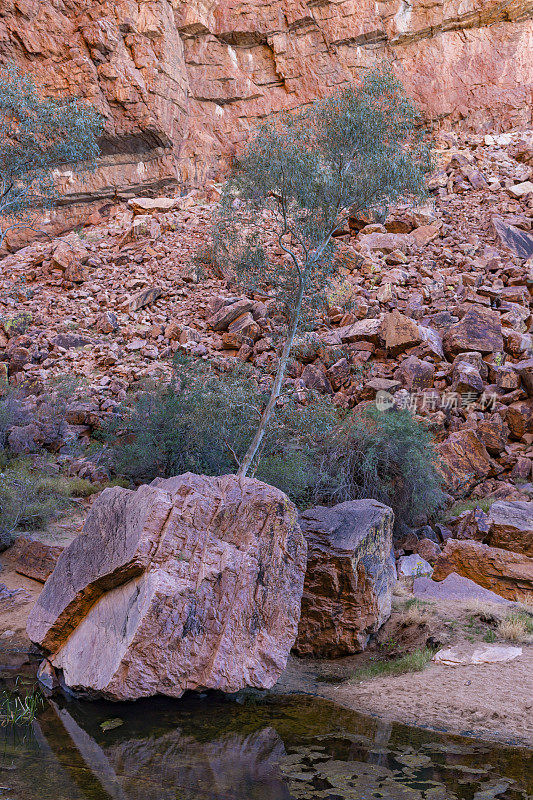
{"x":195,"y":422}
{"x":16,"y":710}
{"x":415,"y":661}
{"x":385,"y":455}
{"x":200,"y":421}
{"x":28,"y":499}
{"x":298,"y":180}
{"x":38,"y":135}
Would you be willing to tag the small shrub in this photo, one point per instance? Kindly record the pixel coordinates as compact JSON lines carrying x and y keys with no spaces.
{"x":484,"y":503}
{"x":13,"y":412}
{"x":200,"y":421}
{"x":28,"y":499}
{"x":384,"y":455}
{"x":410,"y":662}
{"x":196,"y":422}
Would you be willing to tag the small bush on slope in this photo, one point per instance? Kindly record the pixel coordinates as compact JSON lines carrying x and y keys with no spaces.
{"x":200,"y":422}
{"x":386,"y":455}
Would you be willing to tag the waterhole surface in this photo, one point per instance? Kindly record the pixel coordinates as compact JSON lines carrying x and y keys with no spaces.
{"x":278,"y":748}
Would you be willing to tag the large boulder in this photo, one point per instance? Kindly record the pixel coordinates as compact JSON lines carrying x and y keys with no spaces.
{"x":508,"y":574}
{"x":349,"y":579}
{"x":188,"y":583}
{"x":511,"y":526}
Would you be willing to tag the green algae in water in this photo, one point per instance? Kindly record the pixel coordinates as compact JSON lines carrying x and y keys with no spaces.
{"x":284,"y":748}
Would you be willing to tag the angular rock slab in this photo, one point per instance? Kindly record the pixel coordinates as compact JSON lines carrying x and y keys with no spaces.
{"x":188,"y":583}
{"x":349,"y":579}
{"x":34,"y":559}
{"x":484,"y":654}
{"x":502,"y":571}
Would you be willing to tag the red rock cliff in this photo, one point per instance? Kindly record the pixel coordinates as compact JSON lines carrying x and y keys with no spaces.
{"x":182,"y":81}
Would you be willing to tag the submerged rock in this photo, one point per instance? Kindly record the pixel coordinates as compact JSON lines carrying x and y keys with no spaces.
{"x":188,"y":583}
{"x":349,"y":579}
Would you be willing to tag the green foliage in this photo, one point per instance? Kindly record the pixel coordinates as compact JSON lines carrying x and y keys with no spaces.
{"x":359,"y":149}
{"x":484,"y":503}
{"x":38,"y":135}
{"x":386,"y":455}
{"x":28,"y":499}
{"x":16,"y":710}
{"x":200,"y":422}
{"x":414,"y":602}
{"x":12,"y":413}
{"x":196,"y":422}
{"x":410,"y":662}
{"x":297,"y":182}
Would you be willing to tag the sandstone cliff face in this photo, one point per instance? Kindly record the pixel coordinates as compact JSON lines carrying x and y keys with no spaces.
{"x":181,"y":82}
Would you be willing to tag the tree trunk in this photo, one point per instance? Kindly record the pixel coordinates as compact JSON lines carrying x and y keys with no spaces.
{"x":280,"y":374}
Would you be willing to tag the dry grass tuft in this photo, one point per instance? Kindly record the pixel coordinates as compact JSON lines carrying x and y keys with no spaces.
{"x":401,"y":590}
{"x":414,"y":615}
{"x":415,"y":612}
{"x":516,"y":627}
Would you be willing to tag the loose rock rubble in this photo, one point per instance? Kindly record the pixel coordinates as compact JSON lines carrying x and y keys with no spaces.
{"x":433,"y":304}
{"x":431,"y":310}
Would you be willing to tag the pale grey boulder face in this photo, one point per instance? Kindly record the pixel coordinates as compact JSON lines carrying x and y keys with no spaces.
{"x":350,"y":577}
{"x":510,"y":526}
{"x":414,"y":566}
{"x":189,"y":583}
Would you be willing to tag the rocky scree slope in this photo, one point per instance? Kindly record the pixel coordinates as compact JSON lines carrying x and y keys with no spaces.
{"x":433,"y":308}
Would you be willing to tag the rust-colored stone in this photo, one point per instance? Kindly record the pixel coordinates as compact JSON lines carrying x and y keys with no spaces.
{"x":511,"y":526}
{"x":508,"y":574}
{"x":349,"y":579}
{"x":464,"y":461}
{"x":34,"y":559}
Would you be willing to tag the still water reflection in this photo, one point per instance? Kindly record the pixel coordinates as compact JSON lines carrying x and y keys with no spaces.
{"x":281,"y":749}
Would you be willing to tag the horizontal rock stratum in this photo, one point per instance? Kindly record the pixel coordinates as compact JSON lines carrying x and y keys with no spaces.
{"x":188,"y":583}
{"x":181,"y":82}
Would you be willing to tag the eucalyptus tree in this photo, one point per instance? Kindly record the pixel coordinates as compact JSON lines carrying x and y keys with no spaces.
{"x":299,"y":179}
{"x":38,"y":136}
